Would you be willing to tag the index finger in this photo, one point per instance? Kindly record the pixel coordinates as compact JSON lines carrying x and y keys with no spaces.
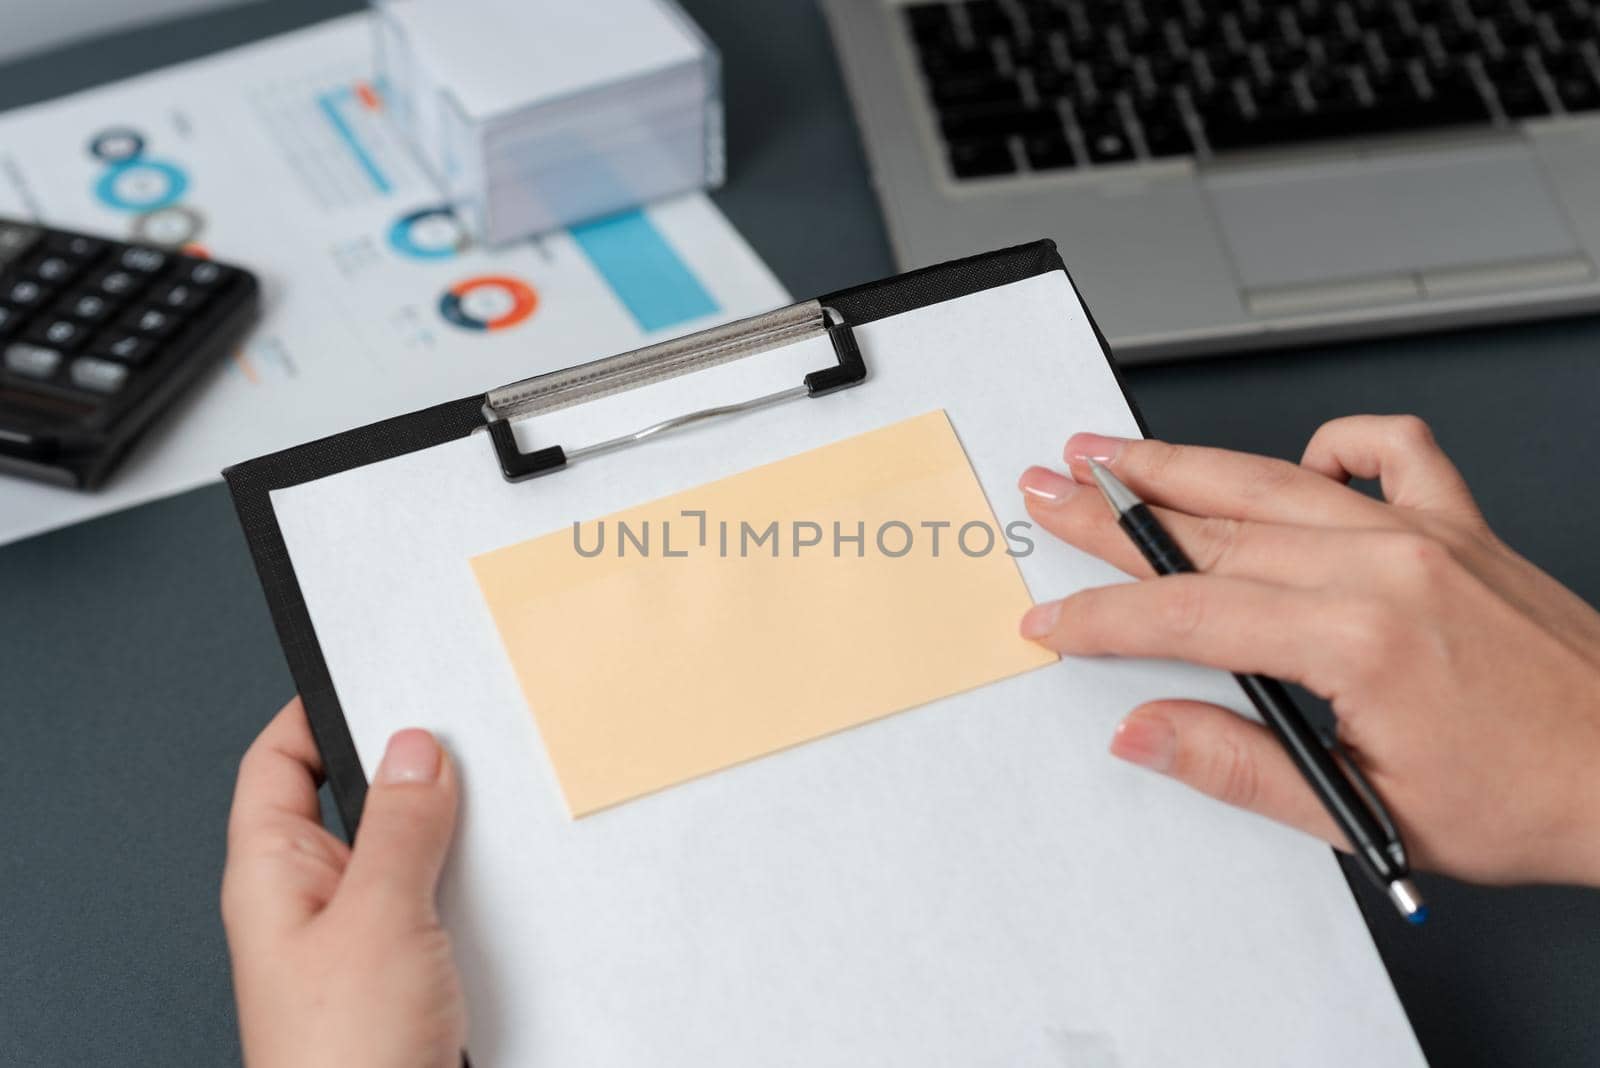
{"x":279,"y":773}
{"x":1218,"y":482}
{"x":1400,"y":451}
{"x":282,"y":865}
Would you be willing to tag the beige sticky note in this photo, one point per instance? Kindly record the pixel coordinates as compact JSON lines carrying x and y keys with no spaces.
{"x":764,"y":610}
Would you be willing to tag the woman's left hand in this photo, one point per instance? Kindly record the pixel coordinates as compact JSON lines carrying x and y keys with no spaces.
{"x":338,"y":954}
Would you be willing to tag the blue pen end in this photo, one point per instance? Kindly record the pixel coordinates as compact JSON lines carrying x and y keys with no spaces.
{"x":1408,"y":901}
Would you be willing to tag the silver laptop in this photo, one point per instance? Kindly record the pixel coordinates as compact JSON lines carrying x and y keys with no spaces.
{"x":1230,"y":174}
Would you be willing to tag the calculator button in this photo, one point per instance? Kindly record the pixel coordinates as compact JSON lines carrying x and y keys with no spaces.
{"x":74,"y":246}
{"x":52,"y":269}
{"x":204,"y":274}
{"x":97,"y":375}
{"x":179,"y":297}
{"x":152,"y":322}
{"x":26,"y":293}
{"x":9,"y":318}
{"x":32,"y":361}
{"x":16,"y":239}
{"x":123,"y":347}
{"x":87,"y":307}
{"x":143,"y":260}
{"x":56,"y":333}
{"x":115,"y":283}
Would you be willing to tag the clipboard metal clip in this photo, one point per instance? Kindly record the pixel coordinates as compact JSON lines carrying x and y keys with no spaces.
{"x":655,"y":363}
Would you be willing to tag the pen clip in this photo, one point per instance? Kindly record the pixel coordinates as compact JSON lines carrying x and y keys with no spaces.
{"x":1369,"y":796}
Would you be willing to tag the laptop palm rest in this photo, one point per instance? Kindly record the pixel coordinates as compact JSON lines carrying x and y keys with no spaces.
{"x":1379,"y":229}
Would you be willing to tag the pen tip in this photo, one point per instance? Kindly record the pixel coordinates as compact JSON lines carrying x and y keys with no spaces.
{"x":1119,"y":496}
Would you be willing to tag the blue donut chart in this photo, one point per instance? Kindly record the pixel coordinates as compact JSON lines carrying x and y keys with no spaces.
{"x":175,"y":184}
{"x":402,"y":235}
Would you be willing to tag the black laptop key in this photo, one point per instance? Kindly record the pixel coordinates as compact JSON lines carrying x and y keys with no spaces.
{"x":959,"y":62}
{"x":1578,"y":93}
{"x":1457,"y":38}
{"x":1165,"y":138}
{"x":977,"y":89}
{"x":985,"y":18}
{"x":1279,"y":99}
{"x":1575,"y":83}
{"x":1107,"y":140}
{"x":1330,"y":88}
{"x":1522,"y":99}
{"x":981,"y":157}
{"x":1284,"y":57}
{"x":1400,"y":46}
{"x":996,"y":120}
{"x":1051,"y":84}
{"x":929,"y":22}
{"x":1573,"y":24}
{"x":1110,"y":78}
{"x":1224,"y":64}
{"x":1513,"y":33}
{"x":1049,"y":152}
{"x":1164,"y":131}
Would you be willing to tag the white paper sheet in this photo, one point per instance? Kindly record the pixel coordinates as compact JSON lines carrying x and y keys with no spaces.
{"x":969,"y":883}
{"x":276,"y":156}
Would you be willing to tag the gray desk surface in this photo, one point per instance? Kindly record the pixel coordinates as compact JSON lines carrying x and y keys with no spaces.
{"x":137,"y":660}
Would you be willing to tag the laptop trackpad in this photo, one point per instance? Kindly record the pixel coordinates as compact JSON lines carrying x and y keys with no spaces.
{"x":1294,"y":224}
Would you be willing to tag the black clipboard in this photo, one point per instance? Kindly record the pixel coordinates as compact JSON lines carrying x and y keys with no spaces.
{"x":252,"y":482}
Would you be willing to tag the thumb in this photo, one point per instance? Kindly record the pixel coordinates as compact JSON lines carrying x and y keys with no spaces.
{"x":406,"y":826}
{"x":1225,"y":756}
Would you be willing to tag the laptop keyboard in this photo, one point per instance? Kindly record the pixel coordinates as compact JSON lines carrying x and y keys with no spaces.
{"x":1046,"y":85}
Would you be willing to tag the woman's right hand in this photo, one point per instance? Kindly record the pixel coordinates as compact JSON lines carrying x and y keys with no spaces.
{"x":1466,"y":680}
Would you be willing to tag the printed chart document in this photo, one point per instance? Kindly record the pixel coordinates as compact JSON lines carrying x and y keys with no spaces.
{"x":277,"y":156}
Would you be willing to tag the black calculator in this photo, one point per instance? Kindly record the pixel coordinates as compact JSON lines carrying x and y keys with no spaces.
{"x":97,"y":338}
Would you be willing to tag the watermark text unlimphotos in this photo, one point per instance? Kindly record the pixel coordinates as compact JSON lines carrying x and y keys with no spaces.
{"x":693,"y":532}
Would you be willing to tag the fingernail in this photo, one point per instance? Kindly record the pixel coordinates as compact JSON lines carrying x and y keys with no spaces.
{"x":1045,"y":485}
{"x":1085,"y":447}
{"x":412,"y":757}
{"x":1146,"y":740}
{"x":1041,"y":619}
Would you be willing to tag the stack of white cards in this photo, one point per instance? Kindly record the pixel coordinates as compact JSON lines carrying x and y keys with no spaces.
{"x":537,"y":114}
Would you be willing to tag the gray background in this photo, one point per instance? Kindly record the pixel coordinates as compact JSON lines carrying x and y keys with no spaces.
{"x":138,"y":661}
{"x":33,"y":25}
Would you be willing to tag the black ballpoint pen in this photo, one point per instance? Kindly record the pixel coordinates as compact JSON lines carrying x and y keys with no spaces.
{"x":1337,"y":782}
